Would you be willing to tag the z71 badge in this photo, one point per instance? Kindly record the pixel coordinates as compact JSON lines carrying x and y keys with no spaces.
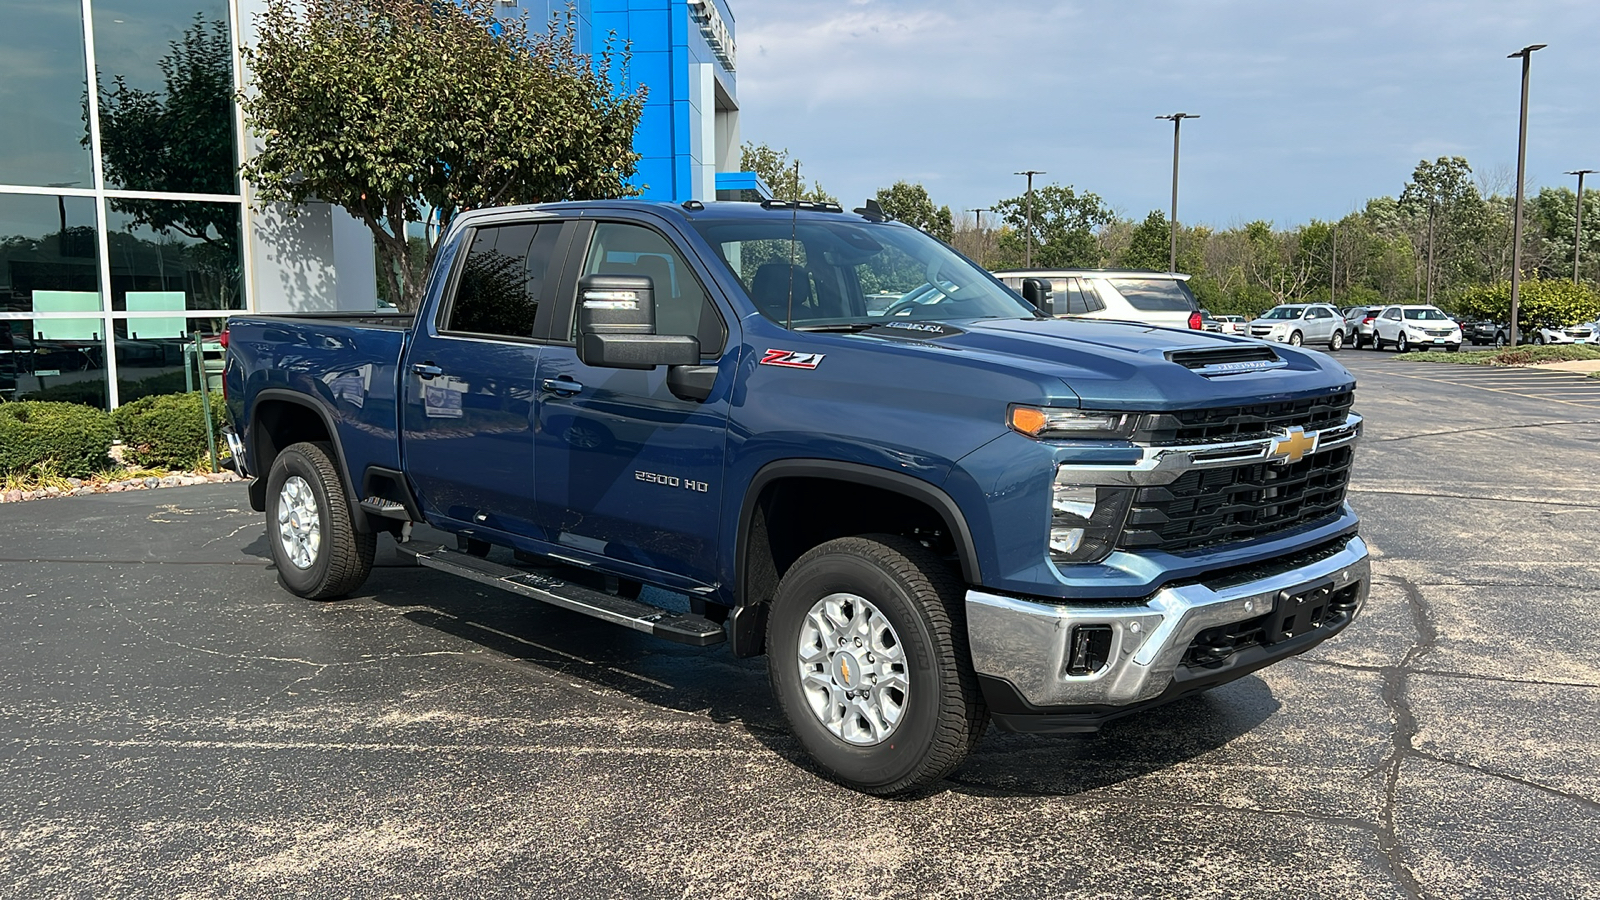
{"x":791,"y":359}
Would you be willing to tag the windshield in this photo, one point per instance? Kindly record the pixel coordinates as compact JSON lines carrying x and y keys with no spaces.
{"x":852,"y":274}
{"x":1284,"y":312}
{"x":1428,"y":313}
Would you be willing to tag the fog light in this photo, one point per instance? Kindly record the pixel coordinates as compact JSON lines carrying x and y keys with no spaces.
{"x":1066,"y":540}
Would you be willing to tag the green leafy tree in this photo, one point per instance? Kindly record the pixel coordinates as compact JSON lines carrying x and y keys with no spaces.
{"x":778,"y":169}
{"x":1553,"y":213}
{"x":390,"y":107}
{"x":911,"y":204}
{"x":1063,"y":230}
{"x":1148,"y":246}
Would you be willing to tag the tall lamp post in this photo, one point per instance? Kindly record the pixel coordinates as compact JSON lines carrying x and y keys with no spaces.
{"x":1177,"y":123}
{"x":1577,"y":232}
{"x":1526,"y":55}
{"x":1027,"y":252}
{"x":982,"y":241}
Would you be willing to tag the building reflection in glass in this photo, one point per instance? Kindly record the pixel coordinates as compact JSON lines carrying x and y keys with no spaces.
{"x":190,"y":263}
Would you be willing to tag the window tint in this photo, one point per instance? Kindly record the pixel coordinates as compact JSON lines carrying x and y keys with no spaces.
{"x":682,"y":306}
{"x":502,"y":279}
{"x":1156,"y":294}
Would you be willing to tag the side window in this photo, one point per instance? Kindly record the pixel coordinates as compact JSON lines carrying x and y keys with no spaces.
{"x":502,"y":279}
{"x":682,"y":306}
{"x":1091,"y":299}
{"x":1069,"y":297}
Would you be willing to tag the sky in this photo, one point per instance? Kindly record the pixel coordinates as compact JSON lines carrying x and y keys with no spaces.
{"x":1307,"y":109}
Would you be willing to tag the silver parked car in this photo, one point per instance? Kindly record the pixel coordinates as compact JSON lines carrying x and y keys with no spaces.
{"x":1301,"y":323}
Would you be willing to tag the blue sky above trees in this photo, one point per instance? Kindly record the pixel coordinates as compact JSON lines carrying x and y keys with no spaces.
{"x":1307,"y":110}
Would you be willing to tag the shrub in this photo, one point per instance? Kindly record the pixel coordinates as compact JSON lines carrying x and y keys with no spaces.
{"x":167,"y":430}
{"x":1539,"y":302}
{"x":73,"y":438}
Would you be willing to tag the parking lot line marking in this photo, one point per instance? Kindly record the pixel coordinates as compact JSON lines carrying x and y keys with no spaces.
{"x":1469,"y":382}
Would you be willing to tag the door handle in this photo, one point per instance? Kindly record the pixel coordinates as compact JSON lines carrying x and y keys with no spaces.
{"x":562,"y":385}
{"x":426,"y":370}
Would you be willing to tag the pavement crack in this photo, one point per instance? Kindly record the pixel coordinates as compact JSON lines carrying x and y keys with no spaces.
{"x":1405,"y":730}
{"x":1586,"y":802}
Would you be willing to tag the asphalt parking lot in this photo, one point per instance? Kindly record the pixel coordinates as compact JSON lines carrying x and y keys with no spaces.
{"x":173,"y":724}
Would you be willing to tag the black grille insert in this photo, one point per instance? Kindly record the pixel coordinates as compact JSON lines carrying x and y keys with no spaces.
{"x":1214,"y":506}
{"x":1236,"y":423}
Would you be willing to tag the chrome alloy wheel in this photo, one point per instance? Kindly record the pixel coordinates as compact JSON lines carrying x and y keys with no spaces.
{"x":853,"y":669}
{"x":299,"y":525}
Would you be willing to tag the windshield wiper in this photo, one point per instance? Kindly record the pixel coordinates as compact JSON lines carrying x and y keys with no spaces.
{"x":839,"y":327}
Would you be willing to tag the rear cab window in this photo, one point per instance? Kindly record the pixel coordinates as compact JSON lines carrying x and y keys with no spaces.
{"x":502,"y":279}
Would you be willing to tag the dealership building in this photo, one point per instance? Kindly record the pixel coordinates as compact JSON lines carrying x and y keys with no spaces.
{"x":125,"y":230}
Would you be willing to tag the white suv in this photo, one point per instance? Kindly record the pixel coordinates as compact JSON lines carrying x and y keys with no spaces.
{"x":1155,"y":298}
{"x":1301,"y":323}
{"x":1415,"y":325}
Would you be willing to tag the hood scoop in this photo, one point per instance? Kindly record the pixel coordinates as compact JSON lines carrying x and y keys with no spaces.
{"x":1212,"y":362}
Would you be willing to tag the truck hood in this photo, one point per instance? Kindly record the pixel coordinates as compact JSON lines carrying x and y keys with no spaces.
{"x":1122,"y":365}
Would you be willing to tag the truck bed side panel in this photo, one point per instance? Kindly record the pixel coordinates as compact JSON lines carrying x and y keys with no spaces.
{"x":348,"y":369}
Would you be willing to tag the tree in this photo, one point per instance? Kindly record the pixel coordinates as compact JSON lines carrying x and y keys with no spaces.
{"x":1148,"y":244}
{"x":391,"y":107}
{"x":778,"y":170}
{"x":911,"y":204}
{"x":1063,"y":232}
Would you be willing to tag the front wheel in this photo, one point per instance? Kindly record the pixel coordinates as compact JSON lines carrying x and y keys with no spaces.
{"x":1401,"y":345}
{"x":1539,"y":339}
{"x":867,"y":653}
{"x":1336,"y":342}
{"x":1296,"y":339}
{"x":1499,"y":340}
{"x":315,"y":546}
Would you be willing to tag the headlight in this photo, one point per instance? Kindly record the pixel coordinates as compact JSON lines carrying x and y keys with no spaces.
{"x":1084,"y":519}
{"x":1070,"y":423}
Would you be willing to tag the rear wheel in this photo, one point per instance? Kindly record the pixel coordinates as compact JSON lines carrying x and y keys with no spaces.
{"x":867,"y":653}
{"x":1336,"y":342}
{"x":315,"y":546}
{"x":1499,"y":339}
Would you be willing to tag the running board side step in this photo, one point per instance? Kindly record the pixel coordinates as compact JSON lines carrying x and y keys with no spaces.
{"x":697,"y":631}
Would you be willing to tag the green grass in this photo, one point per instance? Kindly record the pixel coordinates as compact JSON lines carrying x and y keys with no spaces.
{"x":1519,"y":356}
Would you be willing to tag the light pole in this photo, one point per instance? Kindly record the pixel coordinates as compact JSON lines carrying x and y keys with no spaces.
{"x":1177,"y":123}
{"x":1526,"y":55}
{"x":1027,"y":252}
{"x":982,"y":241}
{"x":1577,"y":232}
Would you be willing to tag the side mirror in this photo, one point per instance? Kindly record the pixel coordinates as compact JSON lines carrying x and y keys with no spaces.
{"x":617,"y":326}
{"x":1037,"y":292}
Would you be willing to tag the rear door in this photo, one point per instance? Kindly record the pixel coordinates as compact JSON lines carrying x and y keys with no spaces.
{"x":626,"y":472}
{"x":471,"y":376}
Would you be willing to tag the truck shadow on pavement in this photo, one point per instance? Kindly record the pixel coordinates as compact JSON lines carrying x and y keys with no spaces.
{"x":579,"y":651}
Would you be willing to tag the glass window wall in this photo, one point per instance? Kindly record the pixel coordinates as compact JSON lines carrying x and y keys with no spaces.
{"x":53,"y":359}
{"x":44,"y":140}
{"x":173,"y":255}
{"x":166,"y":95}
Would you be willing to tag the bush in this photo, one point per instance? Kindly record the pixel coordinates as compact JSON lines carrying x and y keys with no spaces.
{"x":164,"y":431}
{"x":73,"y":438}
{"x":1539,"y":302}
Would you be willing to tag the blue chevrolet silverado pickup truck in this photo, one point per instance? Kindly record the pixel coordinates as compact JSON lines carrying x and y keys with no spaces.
{"x":850,"y":448}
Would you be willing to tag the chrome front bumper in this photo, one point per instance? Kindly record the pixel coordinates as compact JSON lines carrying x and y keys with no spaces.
{"x":1025,"y":642}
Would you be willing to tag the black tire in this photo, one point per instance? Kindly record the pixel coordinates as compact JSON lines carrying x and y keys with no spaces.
{"x":1336,"y":342}
{"x":924,"y":602}
{"x":1454,"y":348}
{"x":1377,"y":342}
{"x":1401,"y":345}
{"x":343,"y":559}
{"x":1296,"y":339}
{"x":1500,"y":340}
{"x":1539,"y":339}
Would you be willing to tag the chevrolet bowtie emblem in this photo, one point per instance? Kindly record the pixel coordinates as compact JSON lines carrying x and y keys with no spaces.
{"x":1293,"y":445}
{"x":844,"y":667}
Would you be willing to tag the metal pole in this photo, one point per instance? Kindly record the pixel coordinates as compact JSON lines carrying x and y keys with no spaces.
{"x":1526,"y":53}
{"x":982,"y":241}
{"x":1333,"y":264}
{"x":1429,"y":301}
{"x":1172,"y":256}
{"x":1577,"y":231}
{"x":1027,"y":252}
{"x":205,"y":400}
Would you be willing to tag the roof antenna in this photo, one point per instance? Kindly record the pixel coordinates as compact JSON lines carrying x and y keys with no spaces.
{"x":872,"y":212}
{"x":794,"y":226}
